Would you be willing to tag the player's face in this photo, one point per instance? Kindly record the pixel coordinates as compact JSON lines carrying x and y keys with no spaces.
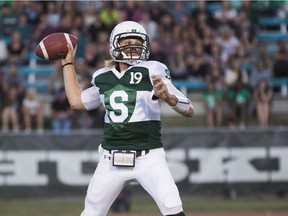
{"x":134,"y":46}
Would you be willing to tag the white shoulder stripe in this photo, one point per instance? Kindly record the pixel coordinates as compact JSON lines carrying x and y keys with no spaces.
{"x":67,"y":37}
{"x":44,"y":51}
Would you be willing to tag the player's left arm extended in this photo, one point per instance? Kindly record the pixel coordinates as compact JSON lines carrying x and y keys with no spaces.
{"x":172,"y":96}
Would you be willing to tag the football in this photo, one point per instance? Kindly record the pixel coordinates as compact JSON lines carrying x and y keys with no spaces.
{"x":54,"y":46}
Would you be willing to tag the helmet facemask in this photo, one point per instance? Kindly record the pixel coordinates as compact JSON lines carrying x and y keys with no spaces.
{"x":132,"y":53}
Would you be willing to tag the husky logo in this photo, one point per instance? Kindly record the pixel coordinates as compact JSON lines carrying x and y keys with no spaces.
{"x":75,"y":168}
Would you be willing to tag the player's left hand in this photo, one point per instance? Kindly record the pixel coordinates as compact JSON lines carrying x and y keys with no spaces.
{"x":161,"y":91}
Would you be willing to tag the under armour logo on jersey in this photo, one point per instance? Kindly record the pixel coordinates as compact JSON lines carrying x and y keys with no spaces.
{"x":106,"y":156}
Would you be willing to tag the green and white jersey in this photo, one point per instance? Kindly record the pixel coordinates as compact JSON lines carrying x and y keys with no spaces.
{"x":132,"y":119}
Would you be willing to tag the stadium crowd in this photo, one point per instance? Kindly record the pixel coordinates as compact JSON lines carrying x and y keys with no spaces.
{"x":194,"y":39}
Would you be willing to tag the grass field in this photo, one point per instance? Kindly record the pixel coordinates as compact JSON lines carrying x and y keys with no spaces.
{"x":146,"y":206}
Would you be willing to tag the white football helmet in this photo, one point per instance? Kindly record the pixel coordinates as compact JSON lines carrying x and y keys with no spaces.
{"x":128,"y":29}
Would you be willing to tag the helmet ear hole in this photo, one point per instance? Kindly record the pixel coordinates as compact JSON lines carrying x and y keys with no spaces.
{"x":133,"y":30}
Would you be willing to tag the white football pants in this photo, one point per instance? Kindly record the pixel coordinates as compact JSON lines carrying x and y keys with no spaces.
{"x":150,"y":171}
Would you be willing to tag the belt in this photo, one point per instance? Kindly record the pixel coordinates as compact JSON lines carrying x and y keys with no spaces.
{"x":138,"y":152}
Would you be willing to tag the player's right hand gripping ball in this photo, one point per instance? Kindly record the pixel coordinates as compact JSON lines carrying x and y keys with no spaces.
{"x":54,"y":46}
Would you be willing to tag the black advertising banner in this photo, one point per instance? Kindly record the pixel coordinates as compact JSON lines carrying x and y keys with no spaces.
{"x":202,"y":161}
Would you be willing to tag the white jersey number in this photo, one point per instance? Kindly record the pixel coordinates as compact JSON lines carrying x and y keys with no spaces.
{"x":136,"y":77}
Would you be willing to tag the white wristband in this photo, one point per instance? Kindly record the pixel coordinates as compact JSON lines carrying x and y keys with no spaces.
{"x":182,"y":106}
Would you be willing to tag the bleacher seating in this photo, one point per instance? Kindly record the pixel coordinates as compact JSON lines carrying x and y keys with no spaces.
{"x":280,"y":81}
{"x":41,"y":86}
{"x":185,"y":85}
{"x":271,"y":36}
{"x":190,"y":84}
{"x":32,"y":76}
{"x":278,"y":25}
{"x":271,"y":21}
{"x":38,"y":70}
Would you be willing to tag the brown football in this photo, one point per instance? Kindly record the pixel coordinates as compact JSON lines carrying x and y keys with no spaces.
{"x":54,"y":46}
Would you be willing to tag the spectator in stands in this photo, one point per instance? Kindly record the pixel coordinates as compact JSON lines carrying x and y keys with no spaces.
{"x":167,"y":26}
{"x":93,"y":118}
{"x":178,"y":63}
{"x":201,"y":24}
{"x":201,"y":8}
{"x":90,"y":119}
{"x":248,"y":42}
{"x":233,"y":72}
{"x":213,"y":105}
{"x":53,"y":15}
{"x":17,"y":50}
{"x":2,"y":74}
{"x":4,"y":52}
{"x":177,"y":9}
{"x":215,"y":55}
{"x":91,"y":57}
{"x":62,"y":114}
{"x":78,"y":23}
{"x":10,"y":108}
{"x":228,"y":42}
{"x":95,"y":28}
{"x":102,"y":48}
{"x":8,"y":20}
{"x":134,"y":10}
{"x":84,"y":73}
{"x":66,"y":23}
{"x":263,"y":54}
{"x":184,"y":30}
{"x":109,"y":14}
{"x":156,"y":53}
{"x":251,"y":9}
{"x":1,"y":86}
{"x":281,"y":62}
{"x":237,"y":93}
{"x":167,"y":44}
{"x":262,"y":96}
{"x":208,"y":40}
{"x":226,"y":15}
{"x":68,"y":9}
{"x":260,"y":72}
{"x":240,"y":37}
{"x":42,"y":30}
{"x":157,"y":10}
{"x":56,"y":82}
{"x":33,"y":111}
{"x":150,"y":26}
{"x":25,"y":29}
{"x":241,"y":101}
{"x":13,"y":79}
{"x":89,"y":14}
{"x":216,"y":75}
{"x":33,"y":11}
{"x":85,"y":120}
{"x":198,"y":63}
{"x":242,"y":23}
{"x":81,"y":41}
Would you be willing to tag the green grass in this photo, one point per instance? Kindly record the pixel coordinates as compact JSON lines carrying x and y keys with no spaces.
{"x":143,"y":204}
{"x":237,"y":205}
